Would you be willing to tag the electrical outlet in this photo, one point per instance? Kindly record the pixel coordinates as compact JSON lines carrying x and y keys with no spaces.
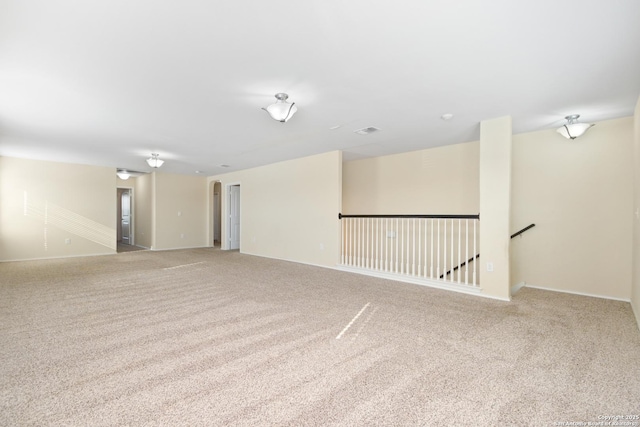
{"x":489,"y":266}
{"x":67,"y":241}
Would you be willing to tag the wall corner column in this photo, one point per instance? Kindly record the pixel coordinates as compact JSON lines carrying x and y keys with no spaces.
{"x":495,"y":206}
{"x":635,"y":250}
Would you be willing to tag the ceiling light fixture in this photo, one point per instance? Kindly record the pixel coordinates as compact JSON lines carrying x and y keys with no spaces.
{"x":282,"y":110}
{"x":573,"y":129}
{"x":123,"y":174}
{"x":154,"y":161}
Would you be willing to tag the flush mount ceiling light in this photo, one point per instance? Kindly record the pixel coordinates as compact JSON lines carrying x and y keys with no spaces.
{"x":573,"y":129}
{"x":123,"y":174}
{"x":282,"y":110}
{"x":154,"y":161}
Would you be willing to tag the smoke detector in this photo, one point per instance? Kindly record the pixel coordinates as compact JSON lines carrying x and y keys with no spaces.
{"x":366,"y":131}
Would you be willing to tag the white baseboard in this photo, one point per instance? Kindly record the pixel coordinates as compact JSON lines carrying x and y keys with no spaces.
{"x":58,"y":257}
{"x":636,"y":312}
{"x":176,"y":249}
{"x":516,"y":288}
{"x":463,"y":289}
{"x":584,"y":294}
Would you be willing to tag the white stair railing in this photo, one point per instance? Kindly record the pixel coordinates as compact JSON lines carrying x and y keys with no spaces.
{"x":434,"y":247}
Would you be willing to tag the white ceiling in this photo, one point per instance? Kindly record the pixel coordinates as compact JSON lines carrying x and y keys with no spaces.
{"x":108,"y":82}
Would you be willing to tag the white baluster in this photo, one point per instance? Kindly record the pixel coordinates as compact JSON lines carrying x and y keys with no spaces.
{"x":346,"y":240}
{"x":350,"y":242}
{"x":397,"y":243}
{"x":352,"y":231}
{"x":444,"y":252}
{"x":431,"y":252}
{"x":386,"y":244}
{"x":459,"y":248}
{"x":376,"y":232}
{"x":451,"y":249}
{"x":426,"y":252}
{"x":466,"y":252}
{"x":401,"y":245}
{"x":438,"y":260}
{"x":359,"y":235}
{"x":413,"y":255}
{"x":366,"y":255}
{"x":475,"y":253}
{"x":341,"y":242}
{"x":419,"y":247}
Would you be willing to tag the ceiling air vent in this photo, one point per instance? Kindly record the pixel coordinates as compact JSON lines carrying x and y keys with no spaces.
{"x":366,"y":131}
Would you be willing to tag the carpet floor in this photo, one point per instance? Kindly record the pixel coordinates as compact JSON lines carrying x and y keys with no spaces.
{"x":205,"y":337}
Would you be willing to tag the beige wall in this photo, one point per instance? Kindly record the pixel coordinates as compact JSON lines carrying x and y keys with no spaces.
{"x":289,"y":210}
{"x":635,"y":288}
{"x":579,"y":195}
{"x":180,"y":211}
{"x":143,"y":206}
{"x":495,"y":206}
{"x":81,"y":210}
{"x":441,"y":180}
{"x":50,"y":210}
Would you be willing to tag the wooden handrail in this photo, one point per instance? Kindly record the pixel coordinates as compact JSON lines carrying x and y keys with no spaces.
{"x":516,"y":234}
{"x":430,"y":216}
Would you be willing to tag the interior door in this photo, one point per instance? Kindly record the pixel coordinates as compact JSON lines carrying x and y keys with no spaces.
{"x":126,"y":217}
{"x":234,"y":217}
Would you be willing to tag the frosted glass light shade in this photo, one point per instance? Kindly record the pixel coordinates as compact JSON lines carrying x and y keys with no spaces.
{"x":572,"y":130}
{"x":154,"y":161}
{"x":282,"y":110}
{"x":123,"y":175}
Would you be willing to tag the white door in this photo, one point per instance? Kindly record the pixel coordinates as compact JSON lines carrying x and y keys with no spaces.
{"x":234,"y":217}
{"x":126,"y":218}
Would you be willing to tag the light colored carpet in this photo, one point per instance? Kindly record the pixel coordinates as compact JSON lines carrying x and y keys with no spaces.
{"x":124,"y":247}
{"x":211,"y":338}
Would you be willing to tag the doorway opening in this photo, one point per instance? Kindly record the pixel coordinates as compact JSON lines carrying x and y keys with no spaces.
{"x":124,"y":221}
{"x":233,"y":216}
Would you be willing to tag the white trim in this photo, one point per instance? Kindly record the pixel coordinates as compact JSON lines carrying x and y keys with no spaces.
{"x":177,"y":249}
{"x":283,"y":259}
{"x":226,"y":230}
{"x":132,"y":230}
{"x":636,"y":313}
{"x":584,"y":294}
{"x":58,"y":257}
{"x":464,"y":289}
{"x":397,"y":278}
{"x":516,"y":288}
